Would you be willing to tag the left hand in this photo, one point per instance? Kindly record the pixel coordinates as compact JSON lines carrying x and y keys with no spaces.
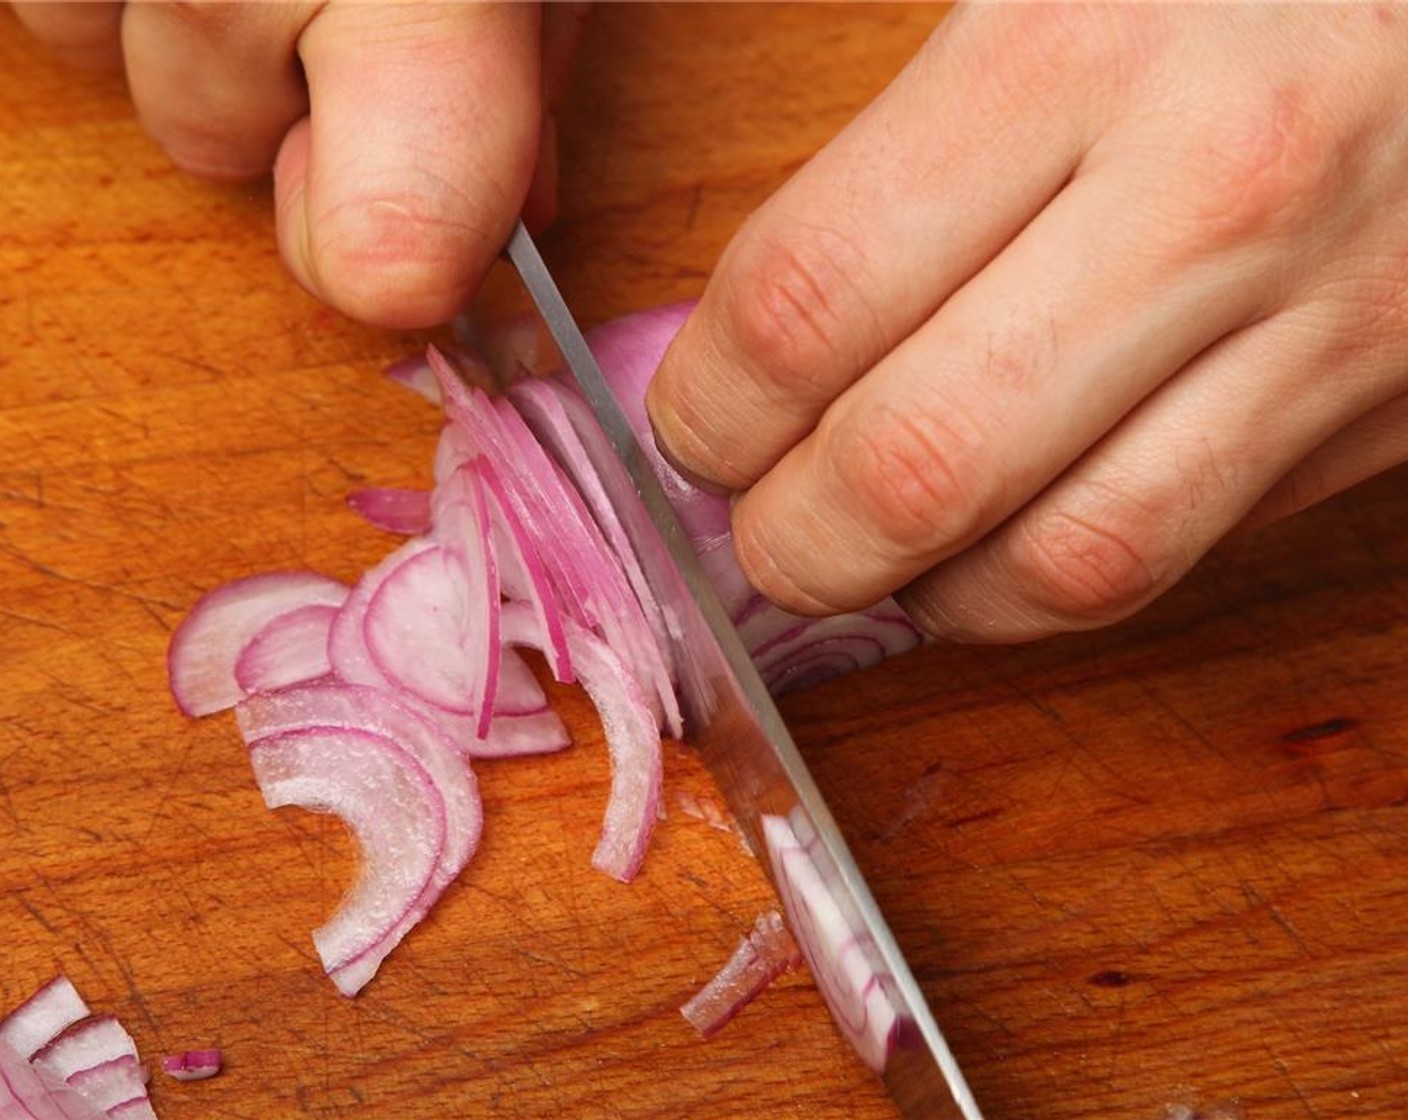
{"x":1084,"y":290}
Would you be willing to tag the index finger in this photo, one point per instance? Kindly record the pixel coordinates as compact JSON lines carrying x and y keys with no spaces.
{"x":870,"y":237}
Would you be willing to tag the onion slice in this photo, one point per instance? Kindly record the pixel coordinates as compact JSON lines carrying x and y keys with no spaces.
{"x":27,"y":1093}
{"x":192,"y":1065}
{"x":43,"y":1016}
{"x":206,"y":646}
{"x":395,"y":812}
{"x":393,"y":510}
{"x":290,"y":649}
{"x":838,"y":956}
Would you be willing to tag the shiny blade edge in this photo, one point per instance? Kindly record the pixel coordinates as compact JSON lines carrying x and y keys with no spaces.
{"x":742,"y":738}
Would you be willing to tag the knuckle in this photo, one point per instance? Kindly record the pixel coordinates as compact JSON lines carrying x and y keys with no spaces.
{"x":913,"y":476}
{"x":1265,"y":171}
{"x":1086,"y":572}
{"x":397,"y":260}
{"x":797,"y":305}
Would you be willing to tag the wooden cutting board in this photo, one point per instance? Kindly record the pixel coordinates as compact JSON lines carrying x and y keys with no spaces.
{"x":1141,"y":873}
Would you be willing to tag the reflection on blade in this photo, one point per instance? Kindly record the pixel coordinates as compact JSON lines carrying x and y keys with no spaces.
{"x":733,"y":723}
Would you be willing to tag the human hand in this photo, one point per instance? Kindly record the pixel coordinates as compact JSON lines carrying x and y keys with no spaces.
{"x":1085,"y":289}
{"x":427,"y":134}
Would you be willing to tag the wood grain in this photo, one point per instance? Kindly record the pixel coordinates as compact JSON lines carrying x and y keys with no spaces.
{"x":1156,"y":867}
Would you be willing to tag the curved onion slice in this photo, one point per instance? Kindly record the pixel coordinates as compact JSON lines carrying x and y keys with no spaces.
{"x":392,"y":807}
{"x":430,"y":629}
{"x":631,"y":737}
{"x":331,"y":705}
{"x":42,"y":1016}
{"x":395,"y":510}
{"x":761,"y":957}
{"x":836,"y":954}
{"x":290,"y":649}
{"x":205,"y":647}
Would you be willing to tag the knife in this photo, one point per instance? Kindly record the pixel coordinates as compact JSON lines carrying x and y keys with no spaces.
{"x":733,"y":723}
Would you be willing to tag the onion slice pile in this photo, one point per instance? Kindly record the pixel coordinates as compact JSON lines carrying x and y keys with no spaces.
{"x":59,"y":1060}
{"x":370,"y":701}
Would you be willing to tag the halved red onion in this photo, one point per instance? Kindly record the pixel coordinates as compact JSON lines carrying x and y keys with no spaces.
{"x":839,"y":958}
{"x":42,"y":1016}
{"x":397,"y":815}
{"x":206,"y":646}
{"x":761,"y":957}
{"x":393,"y":509}
{"x":290,"y":649}
{"x":192,"y":1065}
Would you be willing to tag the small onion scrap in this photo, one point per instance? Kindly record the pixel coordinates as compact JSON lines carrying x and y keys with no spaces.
{"x":370,"y":700}
{"x":192,"y":1065}
{"x":761,"y":957}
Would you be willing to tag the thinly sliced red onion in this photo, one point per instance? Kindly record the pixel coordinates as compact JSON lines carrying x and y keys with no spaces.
{"x":111,"y":1083}
{"x":428,"y":631}
{"x":413,"y":668}
{"x":395,"y":510}
{"x":205,"y":647}
{"x":631,"y":736}
{"x":88,"y":1042}
{"x":761,"y":957}
{"x":42,"y":1016}
{"x":192,"y":1065}
{"x":27,"y":1093}
{"x":393,"y":808}
{"x":332,"y":706}
{"x":839,"y":958}
{"x":290,"y":649}
{"x":561,"y":421}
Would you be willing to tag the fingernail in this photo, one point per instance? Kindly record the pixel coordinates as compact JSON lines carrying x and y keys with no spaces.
{"x":697,"y":481}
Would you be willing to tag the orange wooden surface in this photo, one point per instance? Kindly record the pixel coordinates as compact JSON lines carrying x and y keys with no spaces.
{"x":1158,"y":867}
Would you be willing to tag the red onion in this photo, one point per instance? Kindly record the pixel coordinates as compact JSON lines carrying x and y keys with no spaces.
{"x":192,"y":1065}
{"x":369,"y":702}
{"x":57,"y":1059}
{"x":837,"y":956}
{"x":761,"y":957}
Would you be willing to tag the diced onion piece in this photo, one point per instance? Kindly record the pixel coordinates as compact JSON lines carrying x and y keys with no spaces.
{"x":206,"y":646}
{"x":392,"y":509}
{"x":838,"y":956}
{"x":42,"y":1016}
{"x":290,"y":649}
{"x":761,"y":957}
{"x":391,"y":806}
{"x":414,"y":373}
{"x":192,"y":1065}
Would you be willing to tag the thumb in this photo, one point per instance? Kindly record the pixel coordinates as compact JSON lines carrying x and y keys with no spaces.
{"x":401,"y":187}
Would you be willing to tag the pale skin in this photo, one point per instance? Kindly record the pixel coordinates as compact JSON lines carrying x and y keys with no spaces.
{"x":1084,"y":291}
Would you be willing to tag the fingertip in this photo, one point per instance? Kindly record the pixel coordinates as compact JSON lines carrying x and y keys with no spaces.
{"x":290,"y":212}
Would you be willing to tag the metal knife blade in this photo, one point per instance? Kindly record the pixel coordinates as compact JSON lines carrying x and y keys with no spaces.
{"x":734,"y":724}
